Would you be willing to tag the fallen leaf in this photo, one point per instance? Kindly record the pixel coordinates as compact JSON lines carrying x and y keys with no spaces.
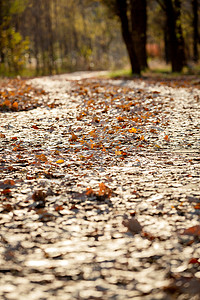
{"x":194,"y":230}
{"x":132,"y":130}
{"x":60,"y":161}
{"x":166,"y":138}
{"x":73,"y":137}
{"x":194,"y":261}
{"x":41,"y":157}
{"x":39,"y":195}
{"x":15,"y":105}
{"x":133,"y":225}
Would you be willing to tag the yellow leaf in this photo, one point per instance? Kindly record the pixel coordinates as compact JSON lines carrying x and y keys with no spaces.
{"x":60,"y":161}
{"x":118,"y":152}
{"x":132,"y":130}
{"x":157,"y":146}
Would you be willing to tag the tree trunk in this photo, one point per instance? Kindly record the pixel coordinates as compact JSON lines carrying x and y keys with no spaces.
{"x":176,"y":41}
{"x":127,"y":36}
{"x":195,"y":30}
{"x":139,"y":28}
{"x":1,"y":25}
{"x":166,"y":45}
{"x":36,"y":31}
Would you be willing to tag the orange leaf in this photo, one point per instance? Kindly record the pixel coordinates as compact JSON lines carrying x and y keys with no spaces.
{"x":15,"y":105}
{"x":104,"y":190}
{"x":6,"y":192}
{"x":118,"y":152}
{"x":89,"y":192}
{"x":41,"y":157}
{"x":166,"y":138}
{"x":59,"y":207}
{"x":120,"y":119}
{"x":9,"y":182}
{"x":153,"y":130}
{"x":132,"y":130}
{"x":7,"y":103}
{"x":142,"y":138}
{"x":197,"y":206}
{"x":73,"y":138}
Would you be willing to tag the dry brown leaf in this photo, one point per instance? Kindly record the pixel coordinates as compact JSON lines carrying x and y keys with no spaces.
{"x":133,"y":225}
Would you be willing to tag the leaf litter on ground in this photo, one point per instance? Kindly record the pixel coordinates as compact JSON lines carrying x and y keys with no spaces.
{"x":82,"y":162}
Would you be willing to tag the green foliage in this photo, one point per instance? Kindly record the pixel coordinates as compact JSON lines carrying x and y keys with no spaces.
{"x":14,"y":49}
{"x":17,"y":7}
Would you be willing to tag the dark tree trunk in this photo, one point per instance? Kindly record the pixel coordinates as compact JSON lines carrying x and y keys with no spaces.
{"x":139,"y":29}
{"x":1,"y":24}
{"x":176,"y":41}
{"x":195,"y":30}
{"x":166,"y":45}
{"x":50,"y":37}
{"x":127,"y":36}
{"x":36,"y":33}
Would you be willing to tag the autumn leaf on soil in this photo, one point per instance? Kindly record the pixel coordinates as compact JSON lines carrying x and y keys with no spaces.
{"x":132,"y":130}
{"x":194,"y":261}
{"x":157,"y":146}
{"x":39,"y":195}
{"x":7,"y":184}
{"x":197,"y":206}
{"x":15,"y":105}
{"x":41,"y":157}
{"x":153,"y":130}
{"x":7,"y":103}
{"x":194,"y":230}
{"x":166,"y":138}
{"x":133,"y":225}
{"x":59,"y":207}
{"x":60,"y":161}
{"x":95,"y":119}
{"x":120,"y":119}
{"x":104,"y":190}
{"x":6,"y":192}
{"x":89,"y":192}
{"x":7,"y":207}
{"x":142,"y":138}
{"x":73,"y":137}
{"x":118,"y":152}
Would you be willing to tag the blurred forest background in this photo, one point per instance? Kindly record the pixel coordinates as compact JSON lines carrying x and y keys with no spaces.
{"x":39,"y":37}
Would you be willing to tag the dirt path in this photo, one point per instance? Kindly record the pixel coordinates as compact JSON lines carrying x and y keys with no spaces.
{"x":100,"y":193}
